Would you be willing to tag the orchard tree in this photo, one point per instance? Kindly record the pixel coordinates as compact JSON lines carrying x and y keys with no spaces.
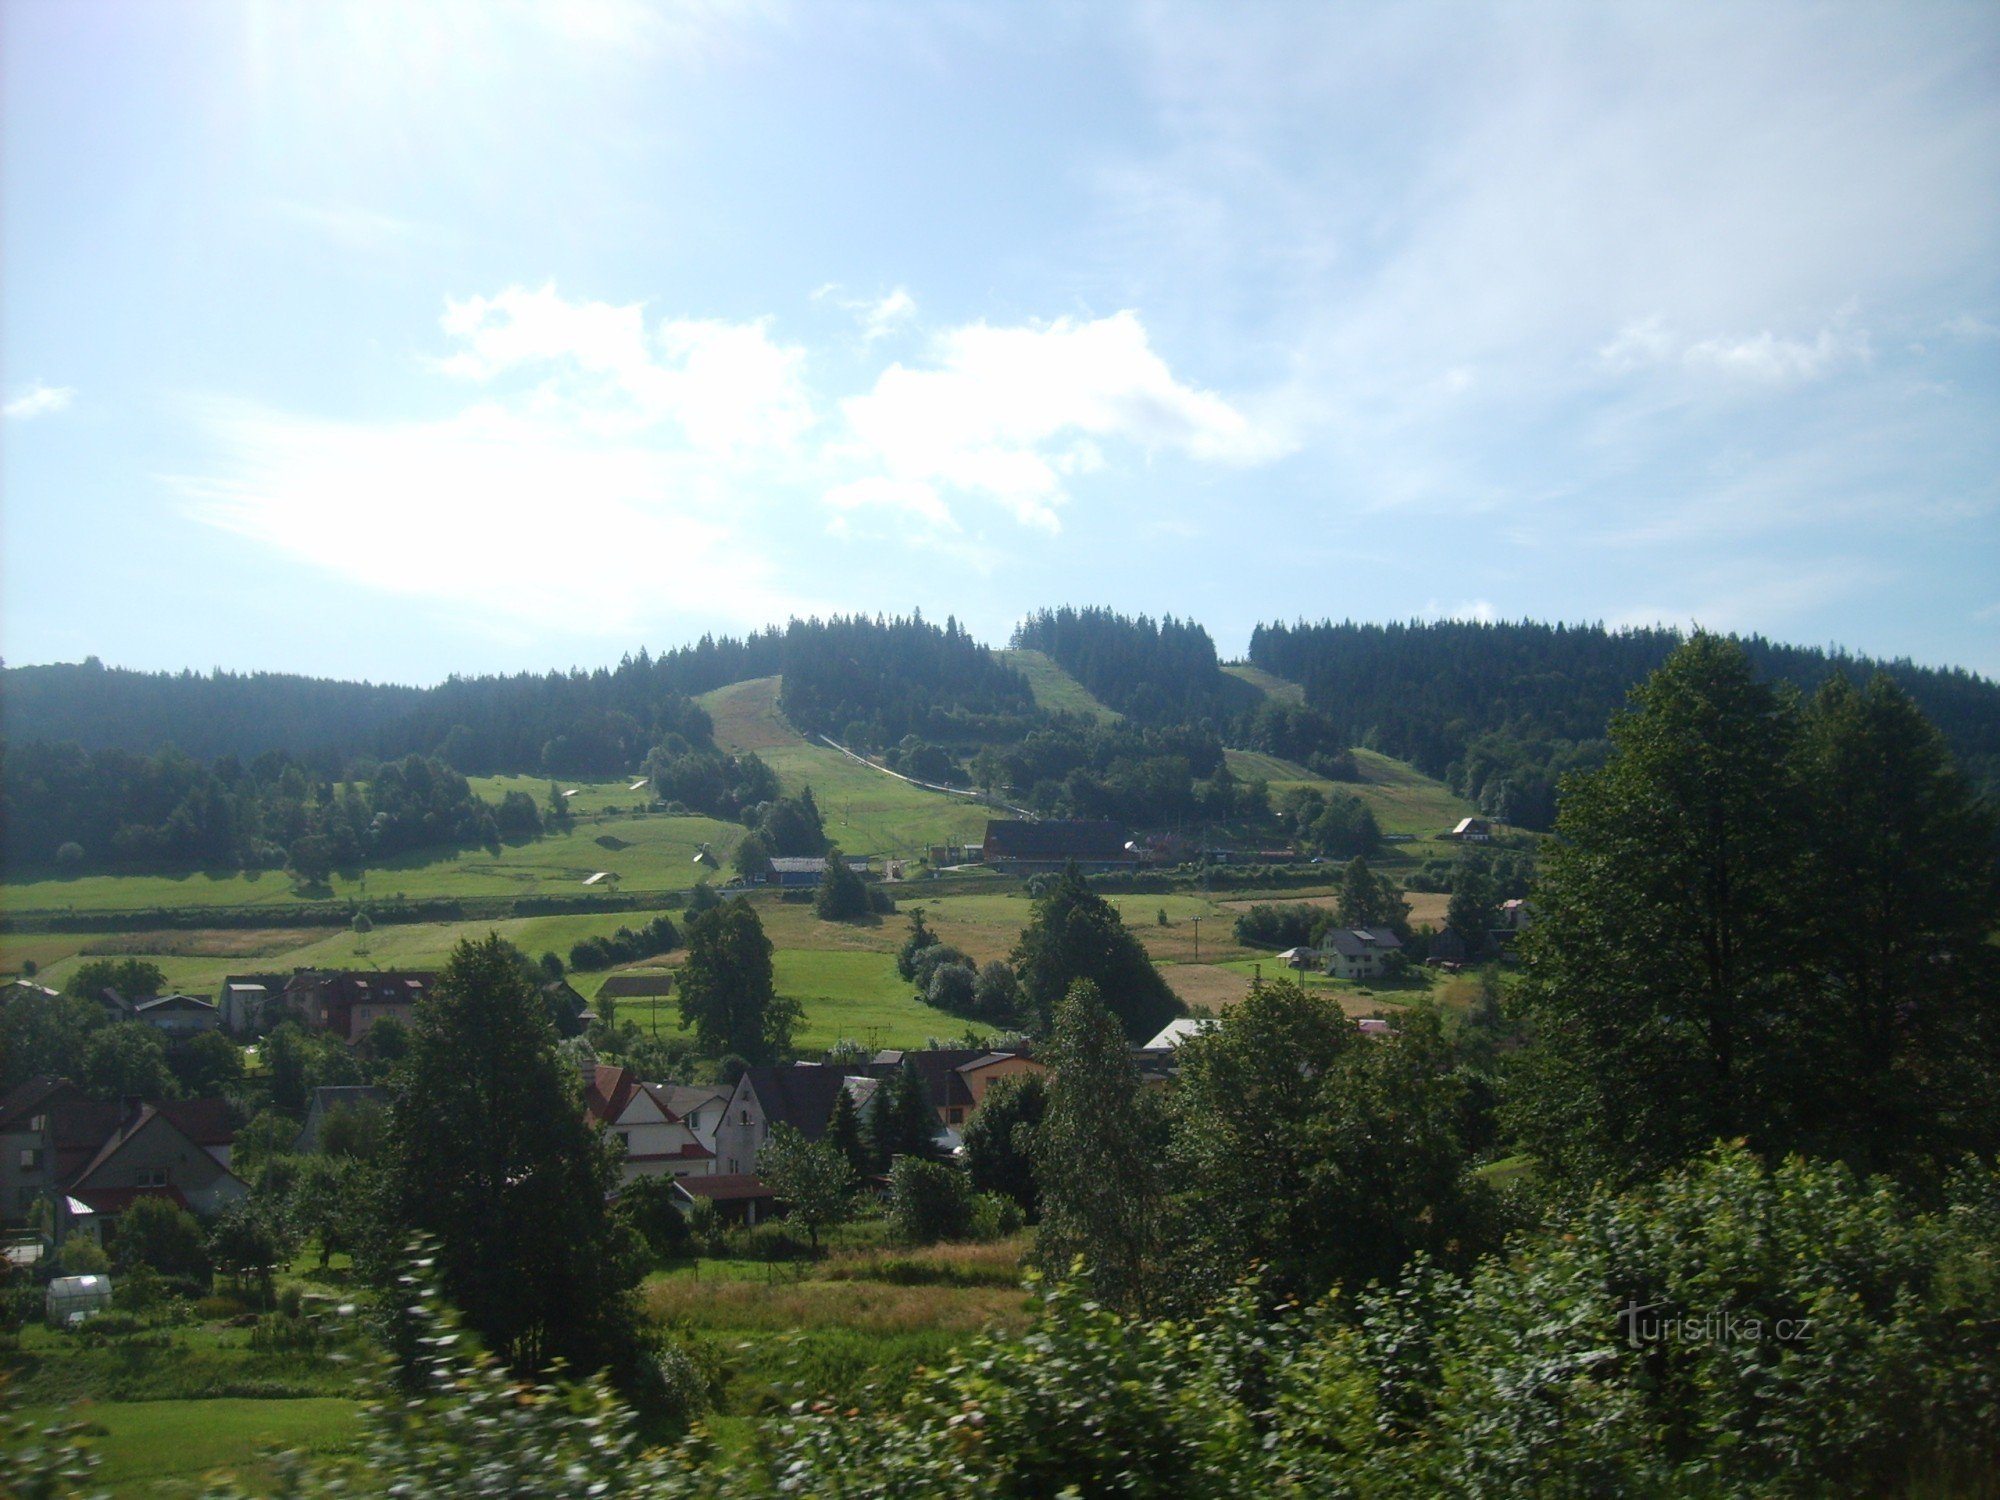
{"x":491,"y":1157}
{"x":811,"y":1178}
{"x":1000,"y":1140}
{"x":726,"y":992}
{"x":133,"y":978}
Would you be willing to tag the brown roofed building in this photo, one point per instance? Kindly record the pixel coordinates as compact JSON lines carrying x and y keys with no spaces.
{"x":1025,"y":848}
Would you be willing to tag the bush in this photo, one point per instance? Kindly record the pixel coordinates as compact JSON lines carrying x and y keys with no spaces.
{"x":928,"y":1202}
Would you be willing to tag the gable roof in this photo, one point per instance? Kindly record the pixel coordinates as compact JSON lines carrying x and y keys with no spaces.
{"x":1088,"y":839}
{"x":34,"y":1097}
{"x":800,"y":1096}
{"x":165,"y":1004}
{"x":683,"y":1099}
{"x":629,"y":986}
{"x":1360,"y":942}
{"x":725,"y":1187}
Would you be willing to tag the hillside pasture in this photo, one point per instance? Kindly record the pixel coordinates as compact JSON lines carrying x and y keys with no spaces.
{"x":866,"y":811}
{"x":1054,"y":689}
{"x":1269,"y":685}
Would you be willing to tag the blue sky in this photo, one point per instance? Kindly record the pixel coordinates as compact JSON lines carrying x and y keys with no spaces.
{"x":393,"y":340}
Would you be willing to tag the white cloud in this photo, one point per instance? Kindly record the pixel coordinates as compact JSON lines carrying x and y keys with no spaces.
{"x":494,"y":515}
{"x":727,"y":386}
{"x":607,"y":460}
{"x":1009,"y":413}
{"x":39,"y":400}
{"x":883,"y":318}
{"x":1763,"y":358}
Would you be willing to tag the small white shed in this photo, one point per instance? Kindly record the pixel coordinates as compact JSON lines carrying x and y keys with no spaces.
{"x":73,"y":1298}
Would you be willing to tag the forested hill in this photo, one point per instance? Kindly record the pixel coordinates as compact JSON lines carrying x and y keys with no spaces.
{"x":1501,"y":710}
{"x":1156,"y":673}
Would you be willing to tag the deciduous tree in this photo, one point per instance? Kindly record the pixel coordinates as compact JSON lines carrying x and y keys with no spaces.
{"x":1077,"y":935}
{"x":727,"y":995}
{"x":491,"y":1157}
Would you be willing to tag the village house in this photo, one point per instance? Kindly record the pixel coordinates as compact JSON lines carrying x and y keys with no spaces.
{"x":640,"y":1116}
{"x":178,"y":1017}
{"x":347,"y":1003}
{"x":801,"y":870}
{"x":89,"y":1159}
{"x":1359,"y":952}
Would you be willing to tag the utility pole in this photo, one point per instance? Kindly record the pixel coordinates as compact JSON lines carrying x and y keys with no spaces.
{"x":1197,"y":939}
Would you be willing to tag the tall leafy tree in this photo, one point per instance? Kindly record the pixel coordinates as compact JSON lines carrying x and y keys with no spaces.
{"x":843,"y":1132}
{"x":841,"y":896}
{"x":1098,"y":1156}
{"x":1900,"y":1054}
{"x":492,"y":1158}
{"x":1662,"y":969}
{"x":1077,"y":935}
{"x":1368,"y":899}
{"x":727,"y":995}
{"x":1000,"y":1140}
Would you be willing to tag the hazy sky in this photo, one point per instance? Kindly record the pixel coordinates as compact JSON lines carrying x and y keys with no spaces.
{"x":395,"y":340}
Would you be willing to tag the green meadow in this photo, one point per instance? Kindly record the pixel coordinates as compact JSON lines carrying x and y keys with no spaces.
{"x":1055,"y":689}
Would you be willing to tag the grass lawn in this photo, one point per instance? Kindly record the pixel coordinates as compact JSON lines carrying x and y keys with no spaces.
{"x":161,"y":1448}
{"x":1054,"y":689}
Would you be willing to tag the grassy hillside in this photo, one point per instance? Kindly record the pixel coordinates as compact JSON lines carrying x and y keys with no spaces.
{"x":1054,"y":689}
{"x":1404,"y":800}
{"x":1266,"y":683}
{"x":866,"y":811}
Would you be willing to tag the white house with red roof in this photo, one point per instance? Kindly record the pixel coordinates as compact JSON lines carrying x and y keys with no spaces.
{"x":658,"y":1141}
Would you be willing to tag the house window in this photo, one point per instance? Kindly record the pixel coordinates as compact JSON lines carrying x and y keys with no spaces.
{"x":746,"y":1116}
{"x":954,"y":1116}
{"x":31,"y":1160}
{"x":155,"y":1177}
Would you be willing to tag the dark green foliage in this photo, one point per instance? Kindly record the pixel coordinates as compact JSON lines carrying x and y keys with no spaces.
{"x":517,"y":817}
{"x":44,"y":1035}
{"x":648,"y":1205}
{"x":133,"y":978}
{"x":1077,"y":935}
{"x":900,"y":1119}
{"x":1502,"y":711}
{"x":928,"y":1201}
{"x":1294,"y":732}
{"x":1343,"y":829}
{"x":124,"y":1060}
{"x":813,"y":1179}
{"x":725,"y":988}
{"x":842,"y":897}
{"x":897,"y":678}
{"x":1099,"y":1157}
{"x":844,"y":1134}
{"x":1157,"y":673}
{"x":708,"y":781}
{"x":701,"y":899}
{"x":1000,"y":1140}
{"x":491,"y":1157}
{"x":252,"y":1238}
{"x":161,"y":1236}
{"x":920,"y":938}
{"x":1126,"y":771}
{"x":207,"y":1065}
{"x":996,"y":994}
{"x":1368,"y":899}
{"x":792,"y":826}
{"x":626,"y":946}
{"x":1279,"y":927}
{"x":1767,"y":923}
{"x":952,"y":988}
